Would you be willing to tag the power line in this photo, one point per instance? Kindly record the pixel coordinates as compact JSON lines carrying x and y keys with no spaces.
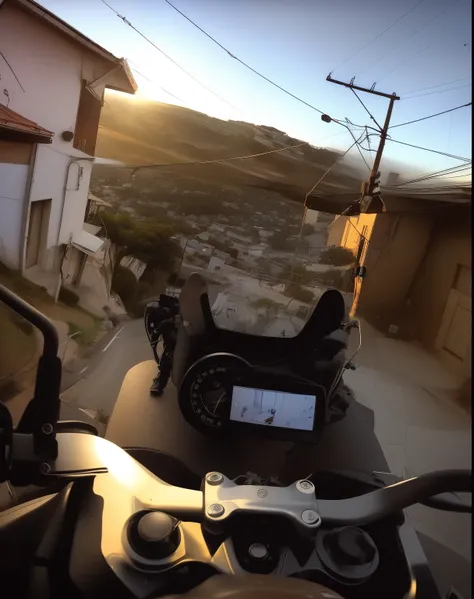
{"x":446,"y":171}
{"x":155,"y":83}
{"x":417,"y":53}
{"x":366,"y":109}
{"x":377,"y":36}
{"x":427,"y":176}
{"x":426,"y":149}
{"x":448,"y":176}
{"x":326,"y":172}
{"x":127,"y":22}
{"x":403,"y":143}
{"x":245,"y":64}
{"x":339,"y":158}
{"x":441,"y":91}
{"x":415,"y":91}
{"x":12,"y":70}
{"x":407,"y":38}
{"x":215,"y":161}
{"x":358,"y":148}
{"x":431,"y":116}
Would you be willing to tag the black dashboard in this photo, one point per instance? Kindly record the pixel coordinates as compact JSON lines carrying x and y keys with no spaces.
{"x":222,"y":393}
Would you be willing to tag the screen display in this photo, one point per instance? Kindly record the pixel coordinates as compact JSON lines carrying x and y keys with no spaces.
{"x":278,"y":409}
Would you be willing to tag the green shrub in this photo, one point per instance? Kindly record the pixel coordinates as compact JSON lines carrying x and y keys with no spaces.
{"x":68,"y":297}
{"x":337,"y":256}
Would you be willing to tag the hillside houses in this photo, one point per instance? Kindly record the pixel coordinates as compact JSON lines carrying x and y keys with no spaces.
{"x":48,"y":135}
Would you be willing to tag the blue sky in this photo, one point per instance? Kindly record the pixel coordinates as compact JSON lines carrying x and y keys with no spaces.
{"x":297,"y":43}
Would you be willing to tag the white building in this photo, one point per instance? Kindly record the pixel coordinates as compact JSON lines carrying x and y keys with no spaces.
{"x":54,"y":79}
{"x":216,"y":263}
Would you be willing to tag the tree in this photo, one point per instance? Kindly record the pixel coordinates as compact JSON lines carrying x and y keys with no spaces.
{"x":337,"y":256}
{"x":148,"y":242}
{"x":279,"y":241}
{"x":219,"y":245}
{"x":298,"y":274}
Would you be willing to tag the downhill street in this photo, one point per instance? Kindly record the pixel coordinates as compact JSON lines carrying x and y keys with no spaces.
{"x":100,"y":380}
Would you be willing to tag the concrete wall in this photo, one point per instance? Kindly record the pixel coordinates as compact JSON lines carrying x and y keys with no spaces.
{"x":396,"y":250}
{"x":50,"y":67}
{"x":13,"y":181}
{"x":336,"y":231}
{"x":355,"y":227}
{"x":449,"y":247}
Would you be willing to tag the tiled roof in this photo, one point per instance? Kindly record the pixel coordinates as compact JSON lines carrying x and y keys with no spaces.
{"x":15,"y":122}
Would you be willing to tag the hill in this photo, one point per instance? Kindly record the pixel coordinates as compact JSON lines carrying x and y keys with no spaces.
{"x":138,"y":132}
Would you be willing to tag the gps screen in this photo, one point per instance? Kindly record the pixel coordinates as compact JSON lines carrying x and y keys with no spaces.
{"x":273,"y":408}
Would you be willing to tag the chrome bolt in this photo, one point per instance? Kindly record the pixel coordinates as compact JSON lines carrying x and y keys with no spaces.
{"x":214,"y":478}
{"x":215,"y":510}
{"x":47,"y":428}
{"x":305,"y":486}
{"x":45,"y":468}
{"x":310,"y":517}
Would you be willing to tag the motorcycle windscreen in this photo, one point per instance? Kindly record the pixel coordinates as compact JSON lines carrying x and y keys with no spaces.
{"x":266,"y":289}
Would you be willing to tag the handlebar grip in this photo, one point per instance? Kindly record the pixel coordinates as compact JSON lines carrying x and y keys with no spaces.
{"x":365,"y":509}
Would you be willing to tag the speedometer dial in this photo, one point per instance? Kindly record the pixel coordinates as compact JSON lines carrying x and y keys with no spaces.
{"x":206,"y":390}
{"x":211,"y":395}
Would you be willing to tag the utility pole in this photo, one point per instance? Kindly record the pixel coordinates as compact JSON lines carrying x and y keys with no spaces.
{"x":370,"y":189}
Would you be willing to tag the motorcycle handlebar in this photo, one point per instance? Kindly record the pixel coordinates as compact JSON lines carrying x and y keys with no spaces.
{"x":87,"y":455}
{"x":373,"y":506}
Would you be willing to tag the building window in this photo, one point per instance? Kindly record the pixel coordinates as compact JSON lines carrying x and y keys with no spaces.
{"x":87,"y":122}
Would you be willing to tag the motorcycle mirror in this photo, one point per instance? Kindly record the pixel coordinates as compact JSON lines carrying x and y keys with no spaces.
{"x":41,"y":415}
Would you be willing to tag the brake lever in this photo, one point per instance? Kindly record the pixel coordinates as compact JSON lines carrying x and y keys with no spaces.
{"x":448,"y":502}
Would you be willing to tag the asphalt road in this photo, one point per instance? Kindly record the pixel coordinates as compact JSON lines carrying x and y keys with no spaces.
{"x":95,"y":384}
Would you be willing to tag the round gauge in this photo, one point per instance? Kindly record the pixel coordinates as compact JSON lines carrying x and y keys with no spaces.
{"x":206,"y":390}
{"x":211,"y":393}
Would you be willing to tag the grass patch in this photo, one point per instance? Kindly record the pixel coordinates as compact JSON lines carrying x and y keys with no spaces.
{"x":76,"y":317}
{"x":18,"y":347}
{"x":84,"y":336}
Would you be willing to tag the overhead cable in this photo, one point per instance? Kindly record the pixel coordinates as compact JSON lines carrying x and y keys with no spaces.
{"x":415,"y":91}
{"x":449,"y":7}
{"x":214,"y":161}
{"x":13,"y":71}
{"x":421,"y":50}
{"x":441,"y":91}
{"x":403,"y":143}
{"x":155,"y":83}
{"x":326,"y":172}
{"x":339,"y":158}
{"x":427,"y":176}
{"x":365,"y":108}
{"x":377,"y":36}
{"x":127,"y":22}
{"x":358,"y":148}
{"x":246,"y":65}
{"x":431,"y":116}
